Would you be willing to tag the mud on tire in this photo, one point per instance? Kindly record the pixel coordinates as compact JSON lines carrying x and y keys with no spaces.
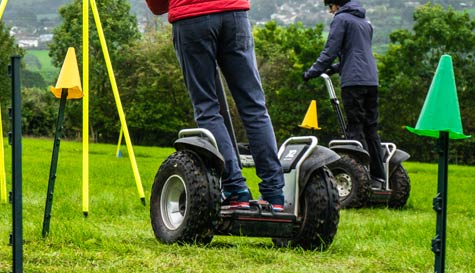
{"x":184,"y":202}
{"x":320,"y":213}
{"x":400,"y":185}
{"x":352,"y":181}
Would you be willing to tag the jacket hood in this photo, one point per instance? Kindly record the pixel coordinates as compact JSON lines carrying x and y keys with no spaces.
{"x":353,"y":8}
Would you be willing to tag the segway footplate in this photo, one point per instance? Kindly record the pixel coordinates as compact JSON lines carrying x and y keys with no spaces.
{"x":258,"y":221}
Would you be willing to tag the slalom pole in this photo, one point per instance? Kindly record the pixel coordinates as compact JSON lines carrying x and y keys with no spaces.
{"x":440,"y":118}
{"x":117,"y":100}
{"x":17,"y":215}
{"x":68,"y":86}
{"x":3,"y":180}
{"x":2,"y":7}
{"x":118,"y":153}
{"x":85,"y":108}
{"x":440,"y":204}
{"x":54,"y":163}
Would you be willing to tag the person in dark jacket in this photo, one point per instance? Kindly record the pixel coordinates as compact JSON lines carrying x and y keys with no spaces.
{"x":349,"y":40}
{"x":208,"y":33}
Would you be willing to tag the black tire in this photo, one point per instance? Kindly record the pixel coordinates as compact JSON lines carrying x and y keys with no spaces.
{"x":401,"y":187}
{"x":352,"y":181}
{"x":184,"y":203}
{"x":320,"y":213}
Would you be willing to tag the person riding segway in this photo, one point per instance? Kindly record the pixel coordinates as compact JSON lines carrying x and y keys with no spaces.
{"x":349,"y":40}
{"x":299,"y":199}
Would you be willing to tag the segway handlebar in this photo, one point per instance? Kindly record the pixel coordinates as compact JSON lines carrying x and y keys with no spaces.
{"x":291,"y":155}
{"x":335,"y":103}
{"x":329,"y":85}
{"x":310,"y":140}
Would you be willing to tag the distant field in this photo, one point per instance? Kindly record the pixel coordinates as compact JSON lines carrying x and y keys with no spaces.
{"x":43,"y":58}
{"x":46,"y":68}
{"x":471,"y":12}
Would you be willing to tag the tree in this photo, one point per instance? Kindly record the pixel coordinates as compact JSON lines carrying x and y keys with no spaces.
{"x":283,"y":54}
{"x":8,"y":48}
{"x":39,"y":112}
{"x":120,"y":30}
{"x":154,"y":88}
{"x":407,"y":69}
{"x":32,"y":79}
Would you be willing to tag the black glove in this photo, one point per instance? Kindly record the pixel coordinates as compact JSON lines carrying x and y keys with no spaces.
{"x":332,"y":69}
{"x":310,"y":73}
{"x":306,"y":77}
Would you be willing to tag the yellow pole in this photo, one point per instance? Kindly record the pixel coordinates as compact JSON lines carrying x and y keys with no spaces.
{"x":117,"y":153}
{"x":2,"y":7}
{"x":117,"y":100}
{"x":85,"y":107}
{"x":3,"y":182}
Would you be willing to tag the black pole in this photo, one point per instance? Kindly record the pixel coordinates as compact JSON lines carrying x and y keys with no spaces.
{"x":339,"y":114}
{"x":17,"y":238}
{"x":440,"y":204}
{"x":224,"y":110}
{"x":54,"y":163}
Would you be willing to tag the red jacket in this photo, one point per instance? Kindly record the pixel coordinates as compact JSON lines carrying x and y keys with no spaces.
{"x":181,"y":9}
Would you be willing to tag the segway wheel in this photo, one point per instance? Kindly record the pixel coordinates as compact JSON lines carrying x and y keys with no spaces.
{"x":401,"y":186}
{"x":184,"y":201}
{"x":320,"y":213}
{"x":352,"y":181}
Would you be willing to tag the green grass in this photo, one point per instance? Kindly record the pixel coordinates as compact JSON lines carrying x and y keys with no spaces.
{"x":117,"y":235}
{"x":47,"y":70}
{"x":470,"y":11}
{"x":43,"y":58}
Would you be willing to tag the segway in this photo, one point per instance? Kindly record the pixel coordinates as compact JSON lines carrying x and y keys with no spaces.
{"x":351,"y":171}
{"x":185,"y":203}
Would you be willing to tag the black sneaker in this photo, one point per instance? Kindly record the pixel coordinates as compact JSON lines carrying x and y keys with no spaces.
{"x":377,"y":183}
{"x":276,"y":201}
{"x":236,"y":199}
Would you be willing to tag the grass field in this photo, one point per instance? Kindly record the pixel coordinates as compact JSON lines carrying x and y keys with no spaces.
{"x":47,"y":70}
{"x":117,"y":235}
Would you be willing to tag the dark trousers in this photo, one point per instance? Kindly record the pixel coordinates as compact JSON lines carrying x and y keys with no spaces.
{"x":226,"y":39}
{"x":361,"y":107}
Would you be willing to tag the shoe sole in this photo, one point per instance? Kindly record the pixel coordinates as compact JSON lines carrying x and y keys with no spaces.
{"x":236,"y":205}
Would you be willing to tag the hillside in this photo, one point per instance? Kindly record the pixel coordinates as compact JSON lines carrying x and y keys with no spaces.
{"x":38,"y":17}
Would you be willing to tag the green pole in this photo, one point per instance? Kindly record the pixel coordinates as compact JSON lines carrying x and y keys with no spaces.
{"x":17,"y":236}
{"x":440,"y":118}
{"x":440,"y":204}
{"x":54,"y":163}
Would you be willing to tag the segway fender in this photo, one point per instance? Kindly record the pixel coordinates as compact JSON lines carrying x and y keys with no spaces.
{"x":203,"y":148}
{"x":359,"y":152}
{"x":398,"y":157}
{"x":320,"y":157}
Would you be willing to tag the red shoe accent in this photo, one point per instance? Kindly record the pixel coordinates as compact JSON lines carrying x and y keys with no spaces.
{"x":278,"y":208}
{"x":239,"y":205}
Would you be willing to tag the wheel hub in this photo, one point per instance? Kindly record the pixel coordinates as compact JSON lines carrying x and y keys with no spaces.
{"x":173,"y":202}
{"x":343,"y":184}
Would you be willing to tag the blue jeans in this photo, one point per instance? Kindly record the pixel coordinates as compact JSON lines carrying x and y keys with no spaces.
{"x":225,"y":39}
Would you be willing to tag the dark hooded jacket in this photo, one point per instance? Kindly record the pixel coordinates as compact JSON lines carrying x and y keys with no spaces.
{"x":350,"y":40}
